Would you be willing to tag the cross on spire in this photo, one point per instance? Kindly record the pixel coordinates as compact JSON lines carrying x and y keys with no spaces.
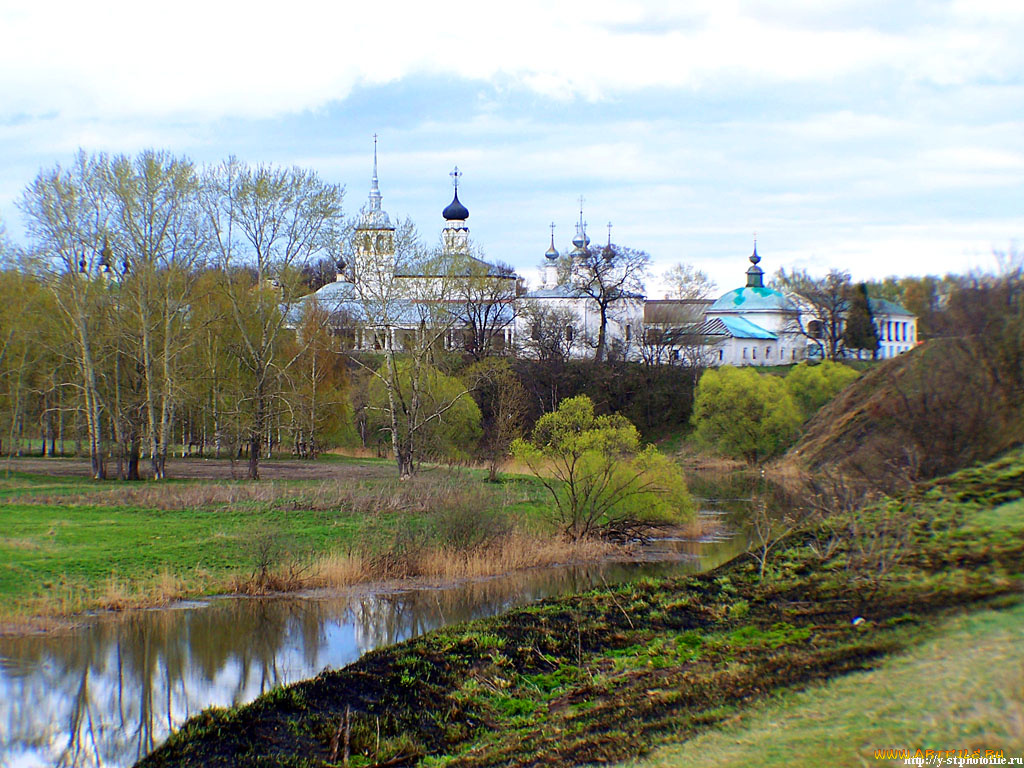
{"x":456,"y":175}
{"x":609,"y":233}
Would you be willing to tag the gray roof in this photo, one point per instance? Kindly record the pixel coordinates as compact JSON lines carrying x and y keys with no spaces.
{"x":886,"y":307}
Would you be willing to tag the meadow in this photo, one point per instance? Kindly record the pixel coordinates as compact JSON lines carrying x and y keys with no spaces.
{"x":69,"y":544}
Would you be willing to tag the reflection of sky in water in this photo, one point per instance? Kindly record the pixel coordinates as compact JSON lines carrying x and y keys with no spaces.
{"x":109,"y":692}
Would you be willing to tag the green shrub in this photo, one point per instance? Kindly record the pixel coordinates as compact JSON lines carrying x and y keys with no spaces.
{"x":744,"y":414}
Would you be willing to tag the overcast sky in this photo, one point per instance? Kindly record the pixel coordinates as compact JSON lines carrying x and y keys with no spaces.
{"x":883,"y":137}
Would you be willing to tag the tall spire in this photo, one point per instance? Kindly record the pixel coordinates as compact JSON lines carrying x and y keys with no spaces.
{"x":374,"y":188}
{"x":582,"y":239}
{"x":609,"y":252}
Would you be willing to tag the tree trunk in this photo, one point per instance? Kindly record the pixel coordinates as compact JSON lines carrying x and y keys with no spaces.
{"x":134,"y":449}
{"x":255,"y":440}
{"x":601,"y":335}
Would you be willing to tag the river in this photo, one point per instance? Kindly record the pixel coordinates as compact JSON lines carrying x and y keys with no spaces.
{"x":109,"y":691}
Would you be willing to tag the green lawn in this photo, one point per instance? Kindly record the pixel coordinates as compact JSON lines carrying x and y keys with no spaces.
{"x":964,"y":689}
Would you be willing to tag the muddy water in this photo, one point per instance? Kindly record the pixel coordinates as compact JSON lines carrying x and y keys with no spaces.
{"x":110,"y":691}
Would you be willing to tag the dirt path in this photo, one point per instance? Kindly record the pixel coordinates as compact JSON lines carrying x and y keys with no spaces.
{"x":214,"y":469}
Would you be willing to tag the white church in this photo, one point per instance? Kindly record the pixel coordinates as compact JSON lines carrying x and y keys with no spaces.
{"x":749,"y":325}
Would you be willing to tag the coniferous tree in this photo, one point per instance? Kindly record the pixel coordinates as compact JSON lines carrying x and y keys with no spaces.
{"x":861,"y":332}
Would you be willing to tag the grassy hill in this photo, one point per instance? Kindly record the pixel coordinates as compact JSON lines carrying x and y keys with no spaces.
{"x":929,"y":412}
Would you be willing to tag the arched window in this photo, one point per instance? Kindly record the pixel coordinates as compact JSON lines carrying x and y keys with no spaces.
{"x":814,"y":329}
{"x":753,"y":352}
{"x":629,"y":333}
{"x":744,"y":353}
{"x":568,"y":333}
{"x":767,"y":353}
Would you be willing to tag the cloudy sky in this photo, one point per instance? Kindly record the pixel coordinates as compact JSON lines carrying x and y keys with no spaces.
{"x":879,"y":136}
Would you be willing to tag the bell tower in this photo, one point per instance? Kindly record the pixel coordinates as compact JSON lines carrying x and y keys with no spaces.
{"x":456,"y":231}
{"x":374,"y":237}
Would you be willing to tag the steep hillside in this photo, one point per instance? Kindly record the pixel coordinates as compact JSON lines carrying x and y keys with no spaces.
{"x":929,"y":412}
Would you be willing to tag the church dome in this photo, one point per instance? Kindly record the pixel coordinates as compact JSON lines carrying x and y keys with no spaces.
{"x":748,"y":299}
{"x":455,"y":211}
{"x":754,"y":297}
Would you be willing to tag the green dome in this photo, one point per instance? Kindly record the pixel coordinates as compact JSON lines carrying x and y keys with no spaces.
{"x":754,"y":299}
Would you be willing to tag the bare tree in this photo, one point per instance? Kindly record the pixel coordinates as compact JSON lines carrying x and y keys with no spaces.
{"x":159,"y":230}
{"x":675,"y":333}
{"x":551,"y":332}
{"x":488,"y":293}
{"x":824,"y":304}
{"x":686,"y":282}
{"x":67,"y":219}
{"x":610,"y":276}
{"x":273,"y":221}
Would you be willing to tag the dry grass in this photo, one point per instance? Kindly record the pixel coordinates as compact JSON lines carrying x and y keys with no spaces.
{"x":512,"y":551}
{"x":387,"y":495}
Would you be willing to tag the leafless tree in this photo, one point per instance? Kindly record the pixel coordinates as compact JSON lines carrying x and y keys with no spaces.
{"x":275,"y":221}
{"x":67,"y":219}
{"x":824,"y":304}
{"x":610,"y":276}
{"x":488,"y":294}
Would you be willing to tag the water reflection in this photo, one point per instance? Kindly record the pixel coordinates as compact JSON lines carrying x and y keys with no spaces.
{"x":109,"y":692}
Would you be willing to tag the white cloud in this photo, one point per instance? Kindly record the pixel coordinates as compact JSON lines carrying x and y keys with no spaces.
{"x":214,"y":58}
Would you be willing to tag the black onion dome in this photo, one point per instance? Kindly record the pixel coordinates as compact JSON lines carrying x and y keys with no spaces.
{"x":455,"y":211}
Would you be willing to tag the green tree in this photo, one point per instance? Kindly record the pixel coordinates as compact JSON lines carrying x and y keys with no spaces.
{"x":860,"y":333}
{"x":811,"y":386}
{"x":436,"y":419}
{"x":602,"y":481}
{"x":503,"y":404}
{"x":318,"y":397}
{"x":744,"y":414}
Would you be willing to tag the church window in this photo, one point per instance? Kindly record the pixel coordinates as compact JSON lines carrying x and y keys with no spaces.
{"x":767,"y":352}
{"x":535,"y":332}
{"x":568,"y":333}
{"x":720,"y":355}
{"x":629,"y":332}
{"x":753,"y":352}
{"x":744,"y":353}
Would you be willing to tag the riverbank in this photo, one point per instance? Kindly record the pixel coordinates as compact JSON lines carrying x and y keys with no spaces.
{"x":69,"y":545}
{"x":607,"y":675}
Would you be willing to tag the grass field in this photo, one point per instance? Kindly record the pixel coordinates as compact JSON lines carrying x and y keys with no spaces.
{"x":68,"y":543}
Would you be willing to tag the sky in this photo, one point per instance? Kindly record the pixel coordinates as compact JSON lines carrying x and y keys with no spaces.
{"x":883,"y":137}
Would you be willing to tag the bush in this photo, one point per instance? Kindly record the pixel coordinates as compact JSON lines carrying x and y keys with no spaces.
{"x":600,"y":478}
{"x":814,"y":385}
{"x":744,"y":414}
